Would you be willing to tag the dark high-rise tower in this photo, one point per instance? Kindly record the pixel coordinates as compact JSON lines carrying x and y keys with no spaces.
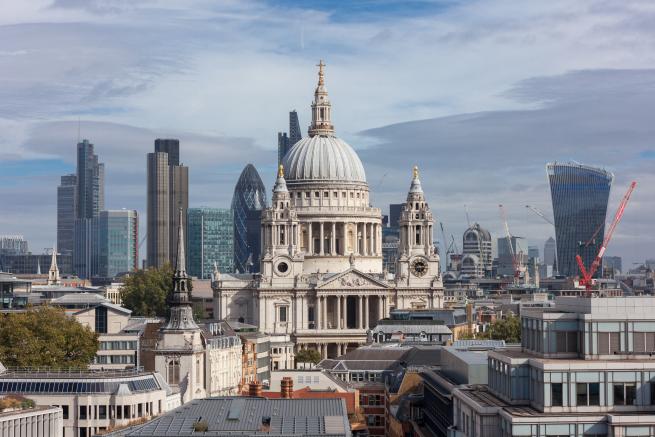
{"x":285,"y":142}
{"x":580,"y":195}
{"x":90,"y":200}
{"x":168,"y":192}
{"x":247,"y":203}
{"x":66,"y":214}
{"x":295,"y":134}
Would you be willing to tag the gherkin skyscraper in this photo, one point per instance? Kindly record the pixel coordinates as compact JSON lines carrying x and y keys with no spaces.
{"x":247,"y":203}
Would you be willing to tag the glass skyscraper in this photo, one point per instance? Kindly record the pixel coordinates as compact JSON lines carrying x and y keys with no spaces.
{"x":210,"y":240}
{"x":90,"y":200}
{"x":580,"y":194}
{"x":118,"y":242}
{"x":247,"y":203}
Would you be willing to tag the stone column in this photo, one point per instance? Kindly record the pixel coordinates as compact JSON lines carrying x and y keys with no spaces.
{"x":310,"y":242}
{"x":360,"y":315}
{"x":364,"y":236}
{"x":344,"y":312}
{"x":322,"y":252}
{"x":333,"y":239}
{"x":366,"y":313}
{"x":338,"y":321}
{"x":262,"y":313}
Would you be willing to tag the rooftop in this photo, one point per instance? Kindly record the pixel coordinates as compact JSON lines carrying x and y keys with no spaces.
{"x":250,"y":416}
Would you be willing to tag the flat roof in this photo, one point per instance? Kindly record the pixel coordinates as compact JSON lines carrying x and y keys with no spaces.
{"x":250,"y":416}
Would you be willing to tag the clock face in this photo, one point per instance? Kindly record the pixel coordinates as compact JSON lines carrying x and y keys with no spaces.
{"x":419,"y":267}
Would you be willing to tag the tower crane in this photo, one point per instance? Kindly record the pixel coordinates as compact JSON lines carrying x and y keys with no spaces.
{"x":547,"y":220}
{"x":587,"y":275}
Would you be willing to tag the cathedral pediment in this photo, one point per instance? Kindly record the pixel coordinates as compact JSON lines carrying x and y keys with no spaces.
{"x":352,"y":278}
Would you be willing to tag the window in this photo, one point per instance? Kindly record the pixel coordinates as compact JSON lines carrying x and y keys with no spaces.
{"x":173,"y":371}
{"x":567,"y":341}
{"x":282,"y":317}
{"x":624,"y":394}
{"x":82,"y":415}
{"x":556,"y":394}
{"x":374,"y":420}
{"x":608,"y":343}
{"x":101,"y":319}
{"x":587,"y":394}
{"x":375,"y":400}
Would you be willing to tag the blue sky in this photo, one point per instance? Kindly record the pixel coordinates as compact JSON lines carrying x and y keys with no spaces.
{"x":480,"y":94}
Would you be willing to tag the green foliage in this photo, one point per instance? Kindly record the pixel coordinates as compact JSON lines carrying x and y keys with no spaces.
{"x":45,"y":336}
{"x":145,"y":291}
{"x":308,"y":356}
{"x":508,"y":329}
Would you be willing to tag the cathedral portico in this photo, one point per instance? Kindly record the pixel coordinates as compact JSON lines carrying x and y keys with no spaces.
{"x":321,"y":277}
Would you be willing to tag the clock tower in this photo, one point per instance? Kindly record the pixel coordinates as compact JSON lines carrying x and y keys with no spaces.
{"x":418,"y":263}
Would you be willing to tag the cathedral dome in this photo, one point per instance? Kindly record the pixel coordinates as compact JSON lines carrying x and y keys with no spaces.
{"x":323,"y":158}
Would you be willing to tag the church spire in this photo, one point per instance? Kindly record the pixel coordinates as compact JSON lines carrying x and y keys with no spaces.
{"x":321,"y":108}
{"x":53,"y":273}
{"x":181,"y":314}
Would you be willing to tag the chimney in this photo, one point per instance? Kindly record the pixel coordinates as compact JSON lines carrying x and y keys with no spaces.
{"x":255,"y":389}
{"x":286,"y":387}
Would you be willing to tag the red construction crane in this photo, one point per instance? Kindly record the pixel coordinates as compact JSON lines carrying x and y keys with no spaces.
{"x":586,"y":279}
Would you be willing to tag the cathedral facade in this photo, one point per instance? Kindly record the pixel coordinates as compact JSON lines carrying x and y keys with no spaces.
{"x":321,"y":278}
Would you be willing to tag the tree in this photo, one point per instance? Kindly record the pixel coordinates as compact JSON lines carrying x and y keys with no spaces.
{"x":308,"y":356}
{"x":145,"y":291}
{"x":45,"y":336}
{"x":508,"y":329}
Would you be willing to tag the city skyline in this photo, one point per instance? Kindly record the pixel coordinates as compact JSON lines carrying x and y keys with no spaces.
{"x":504,"y":115}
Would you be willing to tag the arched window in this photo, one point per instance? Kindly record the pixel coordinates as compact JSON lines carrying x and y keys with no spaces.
{"x":174,"y":371}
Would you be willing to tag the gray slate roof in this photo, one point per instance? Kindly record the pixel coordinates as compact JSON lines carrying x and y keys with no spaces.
{"x":247,"y":416}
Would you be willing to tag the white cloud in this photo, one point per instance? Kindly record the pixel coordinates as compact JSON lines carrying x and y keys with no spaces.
{"x":229,"y":71}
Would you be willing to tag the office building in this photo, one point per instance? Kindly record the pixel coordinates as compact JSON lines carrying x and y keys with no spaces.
{"x":285,"y":142}
{"x":321,"y":280}
{"x":210,"y":241}
{"x":533,"y":252}
{"x":476,"y":253}
{"x":118,"y":242}
{"x":394,"y":214}
{"x":580,"y":194}
{"x":91,"y":401}
{"x":31,"y":421}
{"x":30,"y":263}
{"x":117,"y":349}
{"x":584,"y":368}
{"x":90,"y":200}
{"x":613,"y":263}
{"x":13,"y":245}
{"x":295,"y":134}
{"x":66,"y":213}
{"x":248,"y":201}
{"x":167,"y":193}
